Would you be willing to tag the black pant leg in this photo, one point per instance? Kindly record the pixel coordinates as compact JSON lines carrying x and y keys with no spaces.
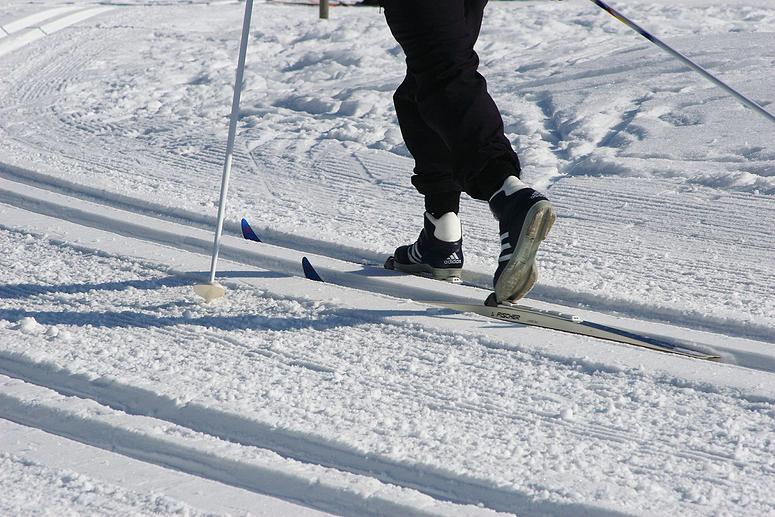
{"x":433,"y":175}
{"x":474,"y":11}
{"x":451,"y":96}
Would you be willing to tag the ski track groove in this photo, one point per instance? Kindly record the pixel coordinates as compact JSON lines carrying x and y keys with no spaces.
{"x":74,"y":127}
{"x":439,"y":492}
{"x":600,"y":433}
{"x":643,"y":449}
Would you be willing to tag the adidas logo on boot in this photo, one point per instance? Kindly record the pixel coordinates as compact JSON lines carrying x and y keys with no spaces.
{"x":525,"y":217}
{"x":438,"y":251}
{"x":454,"y":260}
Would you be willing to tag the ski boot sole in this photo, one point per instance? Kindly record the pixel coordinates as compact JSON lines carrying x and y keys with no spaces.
{"x":521,"y":272}
{"x":452,"y":275}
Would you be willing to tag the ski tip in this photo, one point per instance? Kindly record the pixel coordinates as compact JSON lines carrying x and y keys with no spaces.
{"x":309,"y":270}
{"x":247,"y":231}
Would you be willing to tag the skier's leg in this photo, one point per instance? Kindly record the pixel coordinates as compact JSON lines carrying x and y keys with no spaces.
{"x":474,"y":12}
{"x":433,"y":160}
{"x":452,"y":99}
{"x":438,"y":251}
{"x":452,"y":96}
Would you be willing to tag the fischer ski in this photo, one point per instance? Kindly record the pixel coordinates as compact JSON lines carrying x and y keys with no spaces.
{"x":555,"y":320}
{"x":573,"y":324}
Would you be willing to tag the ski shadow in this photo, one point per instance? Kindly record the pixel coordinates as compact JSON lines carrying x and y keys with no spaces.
{"x":21,"y":291}
{"x":328,"y":319}
{"x":149,"y":315}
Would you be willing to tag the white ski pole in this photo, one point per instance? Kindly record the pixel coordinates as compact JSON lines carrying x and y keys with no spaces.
{"x":688,"y":62}
{"x":212,"y":289}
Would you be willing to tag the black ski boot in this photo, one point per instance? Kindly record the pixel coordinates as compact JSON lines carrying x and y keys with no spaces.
{"x":525,"y":217}
{"x":438,"y":251}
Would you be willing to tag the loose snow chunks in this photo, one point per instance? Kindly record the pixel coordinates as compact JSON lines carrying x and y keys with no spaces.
{"x":29,"y":325}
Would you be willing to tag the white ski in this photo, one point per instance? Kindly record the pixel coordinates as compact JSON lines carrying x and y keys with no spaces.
{"x":574,"y":324}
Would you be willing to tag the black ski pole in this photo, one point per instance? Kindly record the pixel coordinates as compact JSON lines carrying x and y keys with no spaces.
{"x":688,"y":62}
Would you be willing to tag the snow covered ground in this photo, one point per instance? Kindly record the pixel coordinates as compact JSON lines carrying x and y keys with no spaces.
{"x":353,"y":397}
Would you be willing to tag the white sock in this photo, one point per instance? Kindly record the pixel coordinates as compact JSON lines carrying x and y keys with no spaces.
{"x":511,"y":185}
{"x":447,"y":227}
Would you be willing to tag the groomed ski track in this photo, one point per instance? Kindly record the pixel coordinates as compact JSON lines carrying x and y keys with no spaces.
{"x":287,"y":261}
{"x":72,"y":477}
{"x":349,"y":397}
{"x":261,"y":274}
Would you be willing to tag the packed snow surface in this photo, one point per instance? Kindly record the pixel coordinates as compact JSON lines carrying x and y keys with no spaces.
{"x":349,"y":397}
{"x":71,"y":493}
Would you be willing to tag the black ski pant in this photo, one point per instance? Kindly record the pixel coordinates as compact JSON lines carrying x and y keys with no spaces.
{"x":449,"y":122}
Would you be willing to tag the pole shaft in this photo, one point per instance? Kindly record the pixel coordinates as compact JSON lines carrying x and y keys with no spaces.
{"x":688,"y":62}
{"x":324,"y":9}
{"x":232,"y":135}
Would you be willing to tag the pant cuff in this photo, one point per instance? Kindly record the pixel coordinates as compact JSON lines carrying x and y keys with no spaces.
{"x":492,"y":177}
{"x":438,"y":204}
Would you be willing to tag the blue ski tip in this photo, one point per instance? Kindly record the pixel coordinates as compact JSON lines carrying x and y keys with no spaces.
{"x":248,"y":233}
{"x":309,"y":271}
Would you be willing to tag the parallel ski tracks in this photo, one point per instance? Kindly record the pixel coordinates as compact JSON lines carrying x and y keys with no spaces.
{"x":149,"y":209}
{"x":128,"y":399}
{"x":602,"y":433}
{"x":248,"y":433}
{"x":682,"y":210}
